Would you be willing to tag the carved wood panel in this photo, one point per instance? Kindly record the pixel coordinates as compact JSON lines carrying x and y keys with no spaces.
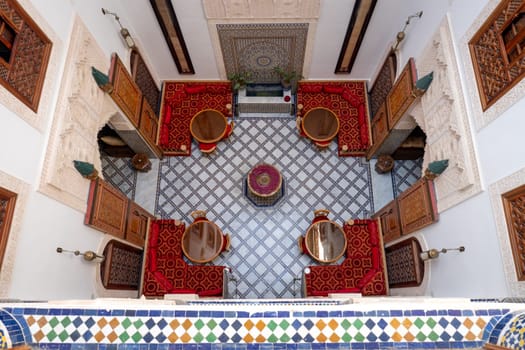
{"x":383,"y":83}
{"x":7,"y":208}
{"x":380,"y":125}
{"x":148,"y":123}
{"x":405,"y":267}
{"x":126,"y":93}
{"x":137,"y":224}
{"x":400,"y":96}
{"x":145,"y":81}
{"x":24,"y":55}
{"x":417,"y":206}
{"x":121,"y":268}
{"x":388,"y":217}
{"x":497,"y":51}
{"x":514,"y":207}
{"x":107,"y":208}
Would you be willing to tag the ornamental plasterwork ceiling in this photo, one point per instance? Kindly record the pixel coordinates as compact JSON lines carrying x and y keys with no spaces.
{"x":254,"y":9}
{"x":82,"y":109}
{"x":22,"y":190}
{"x":285,"y":16}
{"x":482,"y":118}
{"x":442,"y":116}
{"x":516,"y":288}
{"x":258,"y":48}
{"x":37,"y":120}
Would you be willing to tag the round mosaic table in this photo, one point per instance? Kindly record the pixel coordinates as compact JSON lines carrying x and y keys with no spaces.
{"x":264,"y":180}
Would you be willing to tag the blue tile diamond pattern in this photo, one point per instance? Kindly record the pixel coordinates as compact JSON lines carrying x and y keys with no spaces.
{"x":264,"y":255}
{"x":119,"y":173}
{"x":405,"y":174}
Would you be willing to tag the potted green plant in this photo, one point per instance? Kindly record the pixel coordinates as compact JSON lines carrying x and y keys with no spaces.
{"x":239,"y":80}
{"x":288,"y":78}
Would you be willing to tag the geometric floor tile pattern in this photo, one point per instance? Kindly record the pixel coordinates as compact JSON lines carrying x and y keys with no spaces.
{"x":404,"y":174}
{"x":301,"y":326}
{"x":119,"y":173}
{"x":264,"y":255}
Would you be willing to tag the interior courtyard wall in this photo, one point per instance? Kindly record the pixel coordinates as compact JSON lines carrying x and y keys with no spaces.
{"x":478,"y":271}
{"x":470,"y":222}
{"x":36,"y":271}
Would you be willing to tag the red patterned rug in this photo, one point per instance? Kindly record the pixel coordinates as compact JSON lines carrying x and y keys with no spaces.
{"x":180,"y":102}
{"x":362,"y":271}
{"x":166,"y":272}
{"x":349,"y":102}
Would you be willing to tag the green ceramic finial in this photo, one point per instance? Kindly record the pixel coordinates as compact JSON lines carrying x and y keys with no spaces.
{"x":435,"y":168}
{"x":85,"y":169}
{"x":438,"y":166}
{"x":102,"y":80}
{"x":424,"y":82}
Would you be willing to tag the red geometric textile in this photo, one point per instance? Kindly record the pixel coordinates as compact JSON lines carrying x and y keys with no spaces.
{"x":167,"y":272}
{"x":362,"y":271}
{"x":348,"y":100}
{"x":180,"y":102}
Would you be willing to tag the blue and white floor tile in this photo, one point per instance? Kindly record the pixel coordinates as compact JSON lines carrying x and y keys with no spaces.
{"x":405,"y":174}
{"x":264,"y":254}
{"x":120,"y":173}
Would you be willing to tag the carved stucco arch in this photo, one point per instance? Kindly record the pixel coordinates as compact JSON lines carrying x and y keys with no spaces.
{"x":82,"y":110}
{"x":441,"y":113}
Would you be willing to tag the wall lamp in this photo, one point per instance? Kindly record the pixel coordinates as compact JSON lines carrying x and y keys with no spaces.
{"x":88,"y":255}
{"x":434,"y":253}
{"x":124,"y":32}
{"x":401,"y":35}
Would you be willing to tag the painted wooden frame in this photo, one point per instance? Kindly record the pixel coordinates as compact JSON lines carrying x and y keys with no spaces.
{"x":167,"y":19}
{"x":361,"y":14}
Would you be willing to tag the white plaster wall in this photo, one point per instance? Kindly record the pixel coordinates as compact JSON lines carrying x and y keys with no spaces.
{"x":21,"y":146}
{"x":42,"y":274}
{"x":501,"y":150}
{"x":38,"y":272}
{"x":477,"y":272}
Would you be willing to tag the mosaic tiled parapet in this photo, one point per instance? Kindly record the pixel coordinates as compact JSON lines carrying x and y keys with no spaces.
{"x":252,"y":326}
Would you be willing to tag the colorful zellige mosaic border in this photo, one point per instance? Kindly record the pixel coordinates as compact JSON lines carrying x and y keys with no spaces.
{"x":331,"y":328}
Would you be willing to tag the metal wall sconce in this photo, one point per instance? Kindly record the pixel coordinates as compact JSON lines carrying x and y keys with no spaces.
{"x":401,"y":35}
{"x":88,"y":255}
{"x":124,"y":32}
{"x":434,"y":253}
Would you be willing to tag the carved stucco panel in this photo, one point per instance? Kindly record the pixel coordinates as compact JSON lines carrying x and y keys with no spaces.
{"x":22,"y":190}
{"x":82,"y":109}
{"x":444,"y":119}
{"x":516,"y":288}
{"x":238,"y":9}
{"x":438,"y":117}
{"x":76,"y":142}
